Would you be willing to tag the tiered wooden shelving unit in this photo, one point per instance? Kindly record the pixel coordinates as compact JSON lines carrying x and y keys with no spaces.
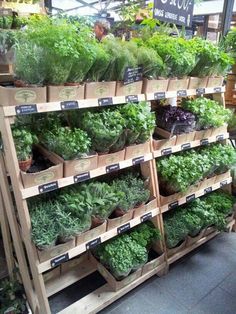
{"x":48,"y":280}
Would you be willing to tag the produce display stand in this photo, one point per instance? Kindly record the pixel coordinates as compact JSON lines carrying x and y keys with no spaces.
{"x":69,"y":266}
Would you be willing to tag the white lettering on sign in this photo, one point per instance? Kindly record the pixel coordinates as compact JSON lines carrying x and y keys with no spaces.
{"x":171,"y":16}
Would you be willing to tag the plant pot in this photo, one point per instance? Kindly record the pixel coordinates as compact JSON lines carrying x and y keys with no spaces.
{"x":137,"y":150}
{"x":222,"y":130}
{"x":25,"y":164}
{"x":222,"y":177}
{"x":177,"y":249}
{"x":100,"y":90}
{"x":156,"y":262}
{"x":93,"y":233}
{"x":65,"y":239}
{"x":97,"y":221}
{"x":160,"y":144}
{"x":110,"y":159}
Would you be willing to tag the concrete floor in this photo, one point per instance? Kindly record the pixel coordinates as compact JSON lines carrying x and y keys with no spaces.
{"x":203,"y":282}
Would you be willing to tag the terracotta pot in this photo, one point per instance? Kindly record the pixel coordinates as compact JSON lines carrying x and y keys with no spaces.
{"x":120,"y":212}
{"x":96,"y":221}
{"x":25,"y":164}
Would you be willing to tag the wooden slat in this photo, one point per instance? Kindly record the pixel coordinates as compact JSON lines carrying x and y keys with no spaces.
{"x":44,"y":266}
{"x":199,"y":193}
{"x":32,"y":191}
{"x":68,"y":278}
{"x":178,"y":148}
{"x":90,"y":103}
{"x":103,"y":296}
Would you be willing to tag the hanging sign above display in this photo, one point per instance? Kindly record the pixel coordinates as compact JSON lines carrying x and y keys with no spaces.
{"x":179,"y":12}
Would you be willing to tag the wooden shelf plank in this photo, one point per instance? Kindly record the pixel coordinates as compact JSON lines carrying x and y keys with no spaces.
{"x":44,"y":266}
{"x":68,"y":278}
{"x":32,"y":191}
{"x":193,"y":144}
{"x":90,"y":103}
{"x":187,"y":250}
{"x":103,"y":296}
{"x":199,"y":193}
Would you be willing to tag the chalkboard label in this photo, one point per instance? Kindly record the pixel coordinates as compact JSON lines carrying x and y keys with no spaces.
{"x":190,"y":198}
{"x":123,"y":228}
{"x":185,"y":146}
{"x":172,"y":11}
{"x":26,"y":109}
{"x":208,"y":190}
{"x":204,"y":142}
{"x":166,"y":151}
{"x":173,"y":205}
{"x":82,"y":177}
{"x":182,"y":93}
{"x":131,"y":98}
{"x":200,"y":91}
{"x":48,"y":187}
{"x":59,"y":260}
{"x":145,"y":217}
{"x":220,"y":137}
{"x":133,"y":75}
{"x":67,"y":105}
{"x":137,"y":160}
{"x":92,"y":244}
{"x":159,"y":95}
{"x":105,"y":101}
{"x":113,"y":167}
{"x":223,"y":183}
{"x":217,"y":89}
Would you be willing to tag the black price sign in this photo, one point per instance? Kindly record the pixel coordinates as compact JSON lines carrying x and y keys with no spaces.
{"x":59,"y":260}
{"x":159,"y":95}
{"x":105,"y":101}
{"x":217,"y":89}
{"x":133,"y":75}
{"x":48,"y":187}
{"x":223,"y":183}
{"x":220,"y":137}
{"x":200,"y":91}
{"x":113,"y":167}
{"x":182,"y":93}
{"x":190,"y":198}
{"x":131,"y":98}
{"x":137,"y":160}
{"x":26,"y":109}
{"x":185,"y":146}
{"x":145,"y":217}
{"x":67,"y":105}
{"x":172,"y":11}
{"x":204,"y":142}
{"x":208,"y":190}
{"x":166,"y":151}
{"x":92,"y":244}
{"x":173,"y":205}
{"x":82,"y":177}
{"x":123,"y":228}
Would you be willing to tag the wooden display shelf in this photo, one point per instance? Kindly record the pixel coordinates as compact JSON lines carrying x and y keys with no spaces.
{"x":185,"y":93}
{"x":68,"y":278}
{"x":78,"y":104}
{"x":35,"y":190}
{"x":90,"y":103}
{"x":104,"y":296}
{"x":6,"y":77}
{"x":188,"y":145}
{"x":186,"y":198}
{"x":44,"y":266}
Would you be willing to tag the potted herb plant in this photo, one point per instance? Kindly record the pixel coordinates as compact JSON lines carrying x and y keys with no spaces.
{"x":24,"y":140}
